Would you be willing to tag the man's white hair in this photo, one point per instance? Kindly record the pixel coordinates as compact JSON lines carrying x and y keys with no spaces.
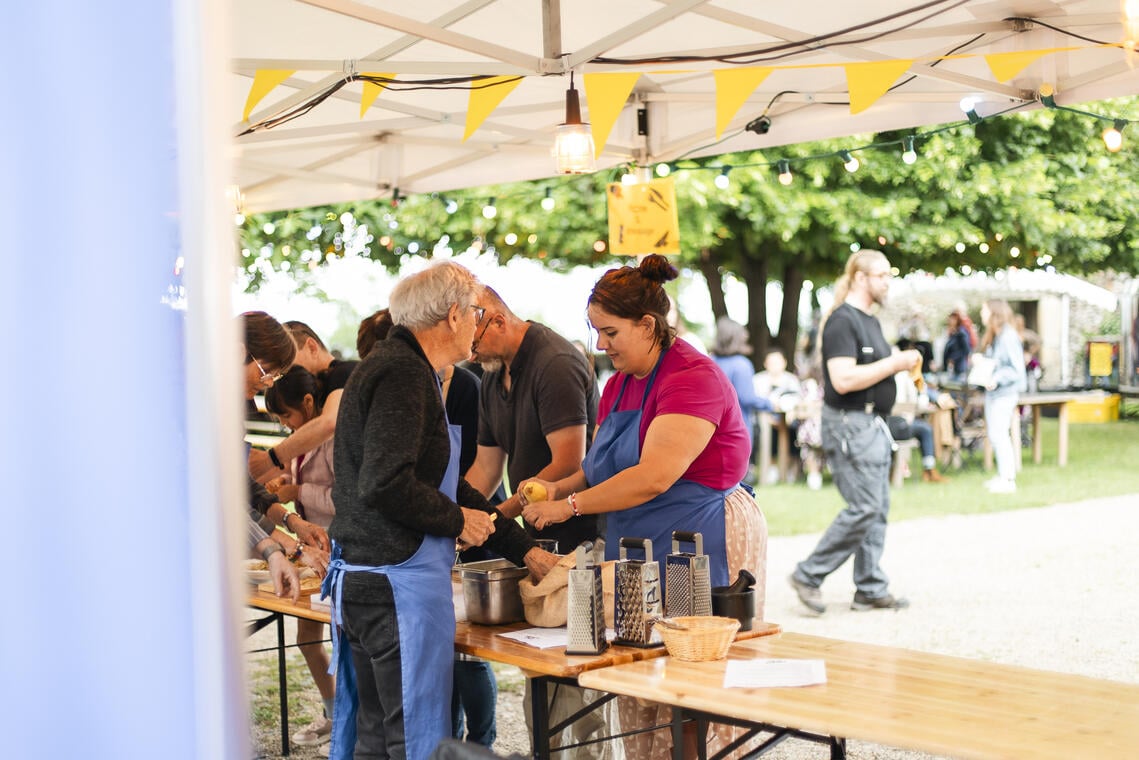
{"x":423,"y":299}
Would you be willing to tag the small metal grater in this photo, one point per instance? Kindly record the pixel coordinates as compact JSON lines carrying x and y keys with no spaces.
{"x":585,"y":616}
{"x":637,"y":602}
{"x":687,"y":578}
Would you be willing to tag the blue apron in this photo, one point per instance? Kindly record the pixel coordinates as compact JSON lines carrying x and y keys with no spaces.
{"x":425,"y":615}
{"x":686,"y":505}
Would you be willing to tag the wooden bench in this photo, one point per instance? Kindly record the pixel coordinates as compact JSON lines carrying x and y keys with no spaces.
{"x":902,"y":456}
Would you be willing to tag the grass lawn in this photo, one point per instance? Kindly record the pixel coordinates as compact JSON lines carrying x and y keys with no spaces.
{"x":1100,"y":458}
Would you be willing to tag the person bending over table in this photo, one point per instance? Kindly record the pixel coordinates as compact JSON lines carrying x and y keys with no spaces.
{"x":400,"y":505}
{"x":670,"y":450}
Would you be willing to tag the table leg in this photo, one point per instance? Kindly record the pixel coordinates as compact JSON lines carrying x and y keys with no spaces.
{"x":838,"y":748}
{"x":1017,"y":455}
{"x":1063,"y":445}
{"x":677,"y":733}
{"x":540,"y":718}
{"x":784,"y":454}
{"x":282,"y":685}
{"x":1037,"y":440}
{"x":764,"y":448}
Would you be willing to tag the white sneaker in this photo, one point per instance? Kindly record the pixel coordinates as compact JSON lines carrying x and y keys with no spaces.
{"x":814,"y":480}
{"x":1003,"y":486}
{"x":317,"y":732}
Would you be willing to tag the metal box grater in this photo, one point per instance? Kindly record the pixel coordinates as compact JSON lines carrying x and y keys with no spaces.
{"x":687,"y":578}
{"x":585,"y":616}
{"x":637,"y":595}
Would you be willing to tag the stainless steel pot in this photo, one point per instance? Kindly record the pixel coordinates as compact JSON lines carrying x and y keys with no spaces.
{"x":490,"y":590}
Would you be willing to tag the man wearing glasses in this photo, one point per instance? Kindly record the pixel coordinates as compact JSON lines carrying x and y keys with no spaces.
{"x":858,"y":394}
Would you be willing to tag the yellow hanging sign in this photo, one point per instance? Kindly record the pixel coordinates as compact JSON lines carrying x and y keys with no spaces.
{"x":642,"y":218}
{"x":1099,"y":359}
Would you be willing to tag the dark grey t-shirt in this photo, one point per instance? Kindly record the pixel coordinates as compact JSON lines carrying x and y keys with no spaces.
{"x":552,"y":387}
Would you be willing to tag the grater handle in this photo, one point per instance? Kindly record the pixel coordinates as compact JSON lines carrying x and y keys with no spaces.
{"x":679,"y":536}
{"x":644,"y":544}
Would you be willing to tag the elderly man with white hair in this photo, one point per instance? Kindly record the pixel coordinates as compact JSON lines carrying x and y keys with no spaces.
{"x":400,"y":506}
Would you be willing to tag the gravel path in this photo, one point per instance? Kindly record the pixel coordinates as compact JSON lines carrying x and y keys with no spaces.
{"x":1047,"y":588}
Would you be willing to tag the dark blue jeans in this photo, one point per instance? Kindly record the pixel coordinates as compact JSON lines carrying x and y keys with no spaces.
{"x":475,"y":693}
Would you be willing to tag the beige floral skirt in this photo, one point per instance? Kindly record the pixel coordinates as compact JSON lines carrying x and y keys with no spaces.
{"x":747,"y":548}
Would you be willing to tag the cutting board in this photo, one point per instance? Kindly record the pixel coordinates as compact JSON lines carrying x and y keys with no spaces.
{"x":310,"y":585}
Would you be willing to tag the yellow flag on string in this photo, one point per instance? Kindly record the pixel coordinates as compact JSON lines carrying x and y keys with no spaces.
{"x":1005,"y":66}
{"x":605,"y":95}
{"x":372,"y":90}
{"x":485,"y":96}
{"x":642,"y":218}
{"x":733,"y":88}
{"x":264,"y":80}
{"x":869,"y":81}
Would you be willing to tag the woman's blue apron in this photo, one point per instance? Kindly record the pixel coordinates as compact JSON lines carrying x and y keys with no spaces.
{"x":686,"y":505}
{"x":425,"y":615}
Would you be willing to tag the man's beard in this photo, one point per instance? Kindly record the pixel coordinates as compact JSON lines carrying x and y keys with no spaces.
{"x":490,"y":365}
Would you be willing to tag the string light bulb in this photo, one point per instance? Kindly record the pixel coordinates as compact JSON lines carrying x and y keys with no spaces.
{"x":490,"y":211}
{"x":450,"y":205}
{"x":909,"y":155}
{"x":548,"y":201}
{"x":573,"y":139}
{"x":1113,"y":135}
{"x":722,"y":181}
{"x":968,"y":104}
{"x":784,"y":167}
{"x":663,"y":170}
{"x":849,"y":162}
{"x":1047,"y":94}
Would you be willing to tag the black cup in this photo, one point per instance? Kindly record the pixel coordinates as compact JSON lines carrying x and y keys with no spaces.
{"x":739,"y":605}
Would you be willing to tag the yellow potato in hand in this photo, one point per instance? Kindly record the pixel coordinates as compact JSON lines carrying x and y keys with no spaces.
{"x":534,"y":492}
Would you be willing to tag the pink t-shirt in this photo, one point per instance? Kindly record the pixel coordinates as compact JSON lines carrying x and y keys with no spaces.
{"x":688,"y":382}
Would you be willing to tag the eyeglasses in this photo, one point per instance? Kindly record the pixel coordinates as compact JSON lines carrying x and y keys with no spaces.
{"x":266,"y":377}
{"x":482,"y":333}
{"x":479,"y":313}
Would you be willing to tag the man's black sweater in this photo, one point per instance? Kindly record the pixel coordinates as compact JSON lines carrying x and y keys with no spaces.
{"x":390,"y":453}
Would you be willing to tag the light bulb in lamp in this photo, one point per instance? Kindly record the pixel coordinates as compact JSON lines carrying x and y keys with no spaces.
{"x":849,"y":162}
{"x":573,"y":140}
{"x":1113,"y":136}
{"x":785,"y":177}
{"x":909,"y":155}
{"x":548,"y":201}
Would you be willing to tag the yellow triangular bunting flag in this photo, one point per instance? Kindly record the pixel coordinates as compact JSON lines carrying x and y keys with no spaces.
{"x":1005,"y":66}
{"x":733,"y":88}
{"x":605,"y":95}
{"x":372,"y":91}
{"x":486,"y":94}
{"x":869,"y":81}
{"x":263,"y":83}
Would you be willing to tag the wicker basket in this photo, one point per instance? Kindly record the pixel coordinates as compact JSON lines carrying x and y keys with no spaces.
{"x":704,"y":637}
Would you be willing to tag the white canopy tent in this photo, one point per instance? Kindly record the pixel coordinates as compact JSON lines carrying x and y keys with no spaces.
{"x":412,"y":139}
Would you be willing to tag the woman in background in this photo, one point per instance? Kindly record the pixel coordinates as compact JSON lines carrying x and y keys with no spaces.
{"x":295,"y":399}
{"x":1002,"y":345}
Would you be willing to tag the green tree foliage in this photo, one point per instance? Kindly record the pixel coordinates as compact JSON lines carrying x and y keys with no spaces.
{"x":1016,"y":190}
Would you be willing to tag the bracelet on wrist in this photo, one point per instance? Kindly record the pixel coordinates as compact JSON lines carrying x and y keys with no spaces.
{"x":270,"y":550}
{"x":572,"y":500}
{"x":285,"y":521}
{"x":298,"y":550}
{"x":276,"y":460}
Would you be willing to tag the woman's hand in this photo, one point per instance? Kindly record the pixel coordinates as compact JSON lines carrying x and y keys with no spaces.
{"x":310,"y":534}
{"x":541,"y":514}
{"x":313,"y":557}
{"x":477,"y":526}
{"x":286,"y":582}
{"x":526,"y":487}
{"x":539,"y":562}
{"x":286,"y":492}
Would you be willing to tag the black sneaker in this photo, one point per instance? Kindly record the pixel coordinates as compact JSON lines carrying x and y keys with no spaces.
{"x":810,"y":596}
{"x":889,"y":602}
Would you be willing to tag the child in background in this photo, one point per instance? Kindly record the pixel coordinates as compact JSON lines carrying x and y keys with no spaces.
{"x":296,"y":399}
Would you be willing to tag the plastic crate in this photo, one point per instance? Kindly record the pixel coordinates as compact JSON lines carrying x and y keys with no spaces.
{"x":1105,"y":409}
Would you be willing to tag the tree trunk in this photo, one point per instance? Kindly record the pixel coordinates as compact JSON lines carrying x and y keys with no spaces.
{"x":715,"y":280}
{"x":789,"y":315}
{"x":753,"y":267}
